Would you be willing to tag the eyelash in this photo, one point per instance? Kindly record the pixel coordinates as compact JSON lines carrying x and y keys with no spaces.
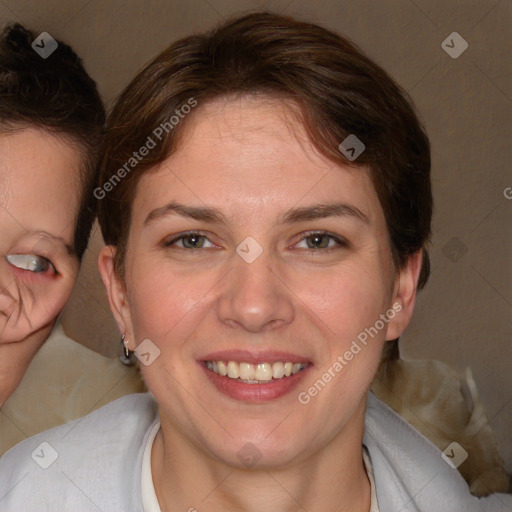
{"x":339,"y":240}
{"x":52,"y":268}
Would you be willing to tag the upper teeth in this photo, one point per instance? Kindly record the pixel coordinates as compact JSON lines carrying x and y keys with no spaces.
{"x":255,"y":372}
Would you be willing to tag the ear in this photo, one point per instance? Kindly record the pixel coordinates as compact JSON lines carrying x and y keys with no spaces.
{"x":404,"y":296}
{"x":116,"y":293}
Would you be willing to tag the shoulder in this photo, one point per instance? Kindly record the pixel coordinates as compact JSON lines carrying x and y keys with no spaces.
{"x":93,"y":460}
{"x":64,"y":382}
{"x":410,"y":472}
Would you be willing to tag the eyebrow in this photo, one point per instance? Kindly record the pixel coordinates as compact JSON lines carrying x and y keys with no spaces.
{"x":304,"y":213}
{"x":321,"y":211}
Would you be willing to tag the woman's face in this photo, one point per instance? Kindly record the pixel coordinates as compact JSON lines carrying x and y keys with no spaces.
{"x":38,"y":206}
{"x":247,"y":246}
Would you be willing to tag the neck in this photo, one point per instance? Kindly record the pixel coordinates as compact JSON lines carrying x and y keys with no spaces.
{"x":15,"y":358}
{"x":333,"y":479}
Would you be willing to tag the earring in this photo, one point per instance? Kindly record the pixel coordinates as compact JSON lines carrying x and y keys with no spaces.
{"x":126,"y":356}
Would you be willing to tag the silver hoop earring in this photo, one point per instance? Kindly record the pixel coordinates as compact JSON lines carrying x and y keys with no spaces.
{"x":126,"y":357}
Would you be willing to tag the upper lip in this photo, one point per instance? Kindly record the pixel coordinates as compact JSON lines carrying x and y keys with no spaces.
{"x":262,"y":356}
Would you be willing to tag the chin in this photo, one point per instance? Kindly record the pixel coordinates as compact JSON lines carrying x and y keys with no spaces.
{"x":259,"y":452}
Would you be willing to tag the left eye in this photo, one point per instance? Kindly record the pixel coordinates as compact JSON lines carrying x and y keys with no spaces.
{"x":321,"y":241}
{"x":189,"y":241}
{"x":30,"y":262}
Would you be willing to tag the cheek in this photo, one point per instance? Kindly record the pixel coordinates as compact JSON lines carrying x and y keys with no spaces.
{"x":349,"y":303}
{"x":348,"y":299}
{"x":31,"y":302}
{"x":164,"y":303}
{"x":55,"y":297}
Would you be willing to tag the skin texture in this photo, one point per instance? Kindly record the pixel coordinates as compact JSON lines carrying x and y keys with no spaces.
{"x":37,"y":217}
{"x":245,"y":158}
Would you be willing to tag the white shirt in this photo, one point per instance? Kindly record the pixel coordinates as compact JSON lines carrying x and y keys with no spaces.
{"x":149,"y":499}
{"x":95,"y":463}
{"x":374,"y":506}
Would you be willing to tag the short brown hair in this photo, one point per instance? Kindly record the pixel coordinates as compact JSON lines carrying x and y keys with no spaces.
{"x":339,"y":91}
{"x":57,"y":95}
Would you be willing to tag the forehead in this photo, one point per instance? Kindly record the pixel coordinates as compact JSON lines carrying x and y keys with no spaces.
{"x":240,"y":130}
{"x":249,"y":152}
{"x":39,"y":176}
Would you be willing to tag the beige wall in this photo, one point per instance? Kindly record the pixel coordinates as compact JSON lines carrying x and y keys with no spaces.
{"x":464,"y":315}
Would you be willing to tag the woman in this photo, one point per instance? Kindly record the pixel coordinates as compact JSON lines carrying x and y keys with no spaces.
{"x":51,"y":118}
{"x":265,"y":197}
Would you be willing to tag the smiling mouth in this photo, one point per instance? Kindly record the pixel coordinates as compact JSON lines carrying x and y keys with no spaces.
{"x":259,"y":373}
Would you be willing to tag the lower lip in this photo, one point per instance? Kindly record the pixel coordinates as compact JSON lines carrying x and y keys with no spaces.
{"x":254,"y":393}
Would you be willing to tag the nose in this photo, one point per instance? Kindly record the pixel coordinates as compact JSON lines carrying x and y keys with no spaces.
{"x":256,"y":297}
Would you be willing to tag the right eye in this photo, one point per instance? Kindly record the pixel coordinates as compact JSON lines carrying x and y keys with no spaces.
{"x":31,"y":263}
